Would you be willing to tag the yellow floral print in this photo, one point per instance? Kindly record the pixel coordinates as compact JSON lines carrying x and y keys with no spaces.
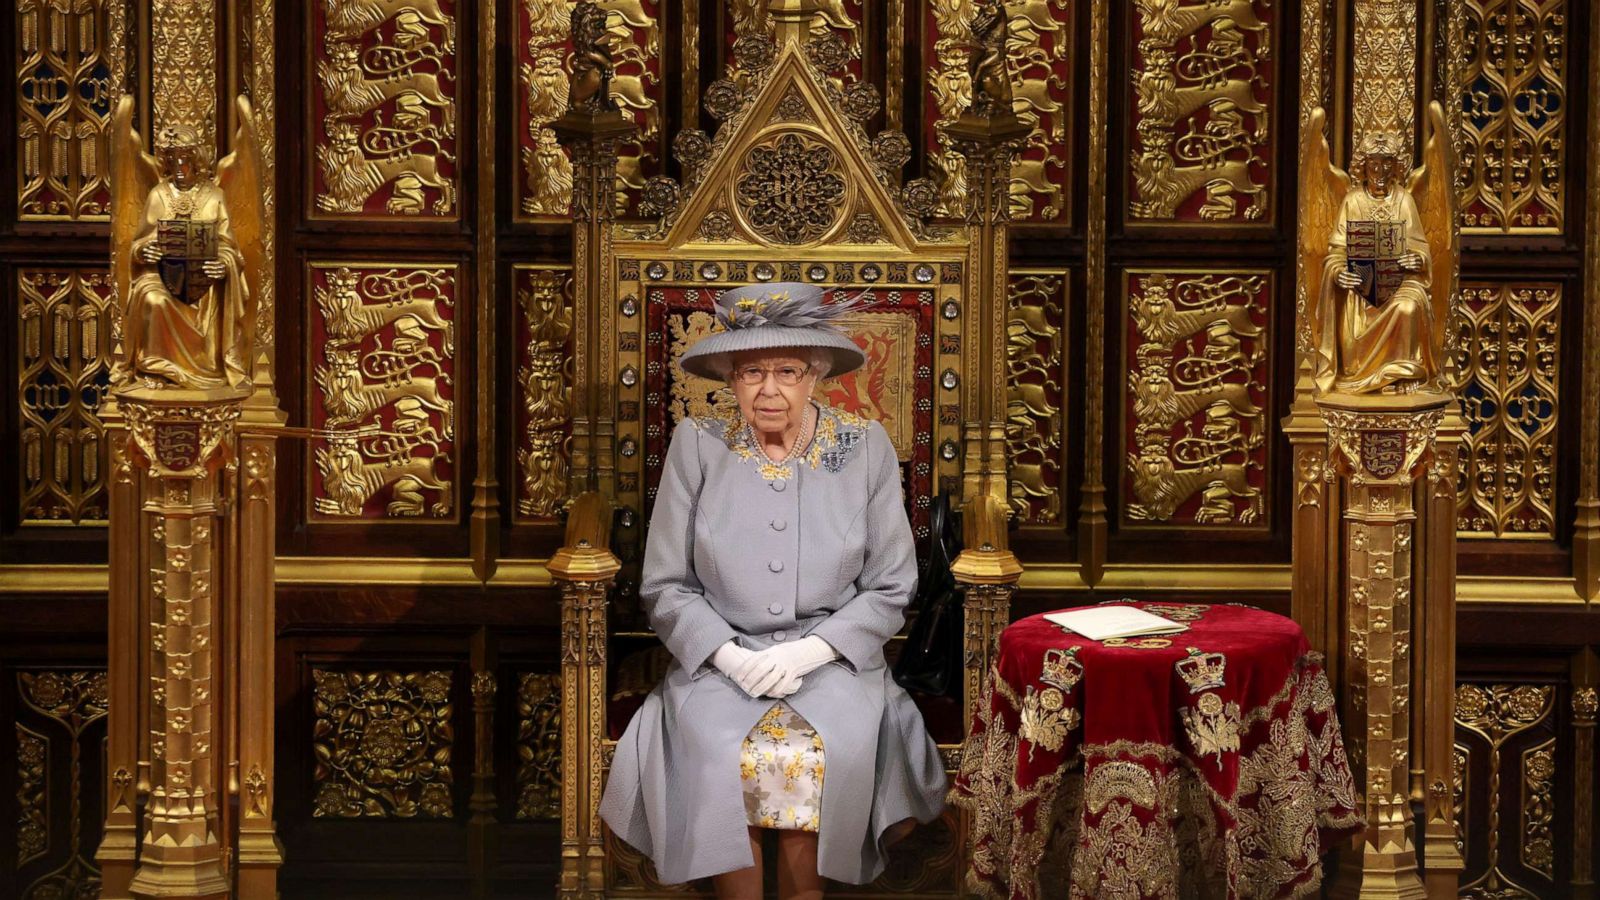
{"x":781,"y":767}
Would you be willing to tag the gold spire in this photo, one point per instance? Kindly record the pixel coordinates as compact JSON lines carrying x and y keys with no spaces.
{"x":791,"y":20}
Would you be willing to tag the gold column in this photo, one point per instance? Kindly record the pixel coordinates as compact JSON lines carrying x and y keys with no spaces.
{"x":1314,"y":599}
{"x":591,"y":134}
{"x":259,"y":854}
{"x":1380,"y":445}
{"x":1434,"y":662}
{"x":584,"y":568}
{"x":183,"y":437}
{"x":989,"y":135}
{"x":125,"y":671}
{"x":990,"y":572}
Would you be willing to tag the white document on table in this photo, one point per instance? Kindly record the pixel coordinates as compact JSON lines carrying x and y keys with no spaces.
{"x":1101,"y":622}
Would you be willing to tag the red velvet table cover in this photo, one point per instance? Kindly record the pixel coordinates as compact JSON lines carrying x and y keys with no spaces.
{"x":1202,"y":764}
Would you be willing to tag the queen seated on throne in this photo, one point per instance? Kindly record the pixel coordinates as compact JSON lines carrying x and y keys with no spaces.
{"x":779,"y":562}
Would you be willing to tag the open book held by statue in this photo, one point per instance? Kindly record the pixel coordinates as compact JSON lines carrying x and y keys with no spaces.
{"x":187,"y":253}
{"x":1385,"y":246}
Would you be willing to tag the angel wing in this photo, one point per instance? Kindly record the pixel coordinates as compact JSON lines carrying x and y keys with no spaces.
{"x":241,"y":174}
{"x":1323,"y":187}
{"x":1433,"y":189}
{"x":134,"y":175}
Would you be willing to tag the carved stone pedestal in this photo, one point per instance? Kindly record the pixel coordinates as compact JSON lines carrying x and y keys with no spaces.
{"x":1379,"y":444}
{"x":182,"y":438}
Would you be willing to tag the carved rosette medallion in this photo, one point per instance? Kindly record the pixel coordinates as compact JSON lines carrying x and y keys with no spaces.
{"x":382,"y":743}
{"x":538,"y":746}
{"x":791,"y":189}
{"x":1203,"y":83}
{"x":384,"y":113}
{"x":1197,"y":348}
{"x":383,"y":391}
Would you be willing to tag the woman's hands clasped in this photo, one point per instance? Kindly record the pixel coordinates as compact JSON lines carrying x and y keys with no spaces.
{"x":775,"y":672}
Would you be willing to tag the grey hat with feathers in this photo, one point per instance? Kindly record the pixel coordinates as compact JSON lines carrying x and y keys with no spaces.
{"x":778,"y":315}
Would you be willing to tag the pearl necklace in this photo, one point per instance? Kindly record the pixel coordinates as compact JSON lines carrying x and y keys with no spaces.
{"x":807,"y":424}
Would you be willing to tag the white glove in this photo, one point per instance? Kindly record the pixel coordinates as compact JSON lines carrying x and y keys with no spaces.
{"x":729,"y":657}
{"x":777,"y":670}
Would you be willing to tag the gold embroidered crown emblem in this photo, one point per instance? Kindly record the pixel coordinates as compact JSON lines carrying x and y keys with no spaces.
{"x":1202,"y":671}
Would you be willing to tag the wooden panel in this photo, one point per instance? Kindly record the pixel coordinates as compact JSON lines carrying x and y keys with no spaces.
{"x":1036,"y":345}
{"x":544,"y":386}
{"x":384,"y":111}
{"x":63,"y":370}
{"x":1204,"y":79}
{"x":59,"y":729}
{"x":1513,"y":161}
{"x":1197,"y":378}
{"x":384,"y":387}
{"x":63,"y":110}
{"x":1511,"y":399}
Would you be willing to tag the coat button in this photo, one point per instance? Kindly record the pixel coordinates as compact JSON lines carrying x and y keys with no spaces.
{"x":780,"y":636}
{"x":775,"y":609}
{"x":776,"y":565}
{"x":779,"y":486}
{"x":779,"y":524}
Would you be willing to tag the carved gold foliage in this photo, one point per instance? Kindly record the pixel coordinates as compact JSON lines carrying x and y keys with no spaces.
{"x":1197,"y":376}
{"x":63,"y":109}
{"x":1460,"y":759}
{"x":539,"y":746}
{"x":33,"y":817}
{"x":1202,"y":88}
{"x":385,"y":390}
{"x":386,"y":73}
{"x":545,"y":296}
{"x":1384,"y":97}
{"x":183,"y":65}
{"x":69,"y":702}
{"x":1512,"y":162}
{"x":1497,"y":713}
{"x":1511,"y":360}
{"x":838,"y":21}
{"x":62,"y":375}
{"x":1036,"y":364}
{"x":382,"y":742}
{"x":1537,"y":847}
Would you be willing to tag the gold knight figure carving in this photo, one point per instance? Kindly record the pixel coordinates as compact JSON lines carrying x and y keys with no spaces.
{"x":186,"y":247}
{"x":1386,"y":251}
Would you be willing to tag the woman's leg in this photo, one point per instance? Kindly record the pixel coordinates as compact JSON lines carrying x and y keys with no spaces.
{"x":797,"y":866}
{"x":742,"y":884}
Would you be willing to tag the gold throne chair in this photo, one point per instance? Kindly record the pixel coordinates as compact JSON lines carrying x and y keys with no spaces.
{"x":790,"y":188}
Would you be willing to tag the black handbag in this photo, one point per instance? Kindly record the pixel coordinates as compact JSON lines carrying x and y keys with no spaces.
{"x":930,"y":661}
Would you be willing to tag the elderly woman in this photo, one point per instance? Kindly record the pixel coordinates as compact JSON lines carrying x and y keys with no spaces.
{"x":779,"y":562}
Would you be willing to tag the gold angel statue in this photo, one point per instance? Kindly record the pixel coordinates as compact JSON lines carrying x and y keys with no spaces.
{"x":1385,"y":249}
{"x":186,"y":252}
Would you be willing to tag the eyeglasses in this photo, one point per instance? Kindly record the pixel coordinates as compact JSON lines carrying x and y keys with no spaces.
{"x":788,"y":376}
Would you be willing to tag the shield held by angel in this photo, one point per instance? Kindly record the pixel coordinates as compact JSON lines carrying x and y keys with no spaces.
{"x":187,"y":254}
{"x":1379,"y":244}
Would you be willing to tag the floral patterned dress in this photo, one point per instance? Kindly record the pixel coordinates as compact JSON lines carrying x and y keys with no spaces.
{"x":781,"y":767}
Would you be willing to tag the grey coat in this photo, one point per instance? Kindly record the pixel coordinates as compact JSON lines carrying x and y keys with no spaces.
{"x":737,"y":552}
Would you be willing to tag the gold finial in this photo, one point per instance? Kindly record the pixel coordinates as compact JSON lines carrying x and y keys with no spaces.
{"x":791,"y":20}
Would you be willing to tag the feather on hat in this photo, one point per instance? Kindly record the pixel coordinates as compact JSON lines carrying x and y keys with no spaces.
{"x":779,"y":315}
